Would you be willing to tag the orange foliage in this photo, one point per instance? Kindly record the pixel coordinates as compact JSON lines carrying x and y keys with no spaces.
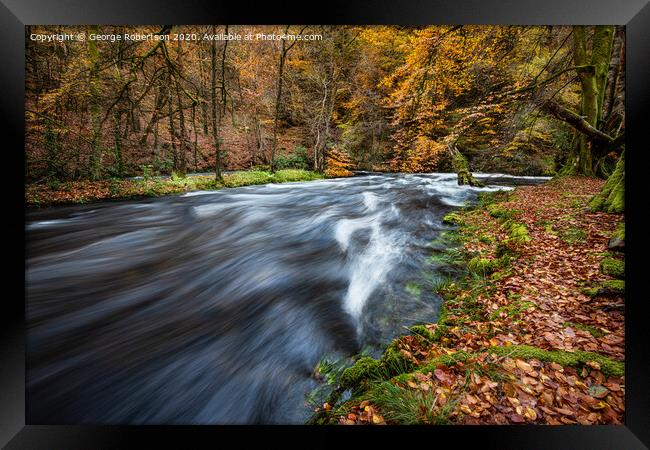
{"x":338,"y":164}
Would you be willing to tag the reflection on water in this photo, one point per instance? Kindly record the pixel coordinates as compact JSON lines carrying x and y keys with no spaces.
{"x":214,"y":307}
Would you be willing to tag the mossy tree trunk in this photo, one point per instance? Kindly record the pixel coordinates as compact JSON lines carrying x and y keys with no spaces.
{"x":611,"y":198}
{"x":592,"y":71}
{"x":461,"y":167}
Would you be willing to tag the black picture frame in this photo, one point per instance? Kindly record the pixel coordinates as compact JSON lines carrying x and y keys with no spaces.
{"x":15,"y":14}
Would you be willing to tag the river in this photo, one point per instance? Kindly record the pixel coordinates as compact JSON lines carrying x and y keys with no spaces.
{"x":215,"y":307}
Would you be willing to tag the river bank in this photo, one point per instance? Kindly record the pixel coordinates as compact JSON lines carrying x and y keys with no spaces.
{"x":532,"y":331}
{"x":85,"y":191}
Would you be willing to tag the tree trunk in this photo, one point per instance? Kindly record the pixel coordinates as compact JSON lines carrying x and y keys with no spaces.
{"x":592,"y":72}
{"x":195,"y":133}
{"x":611,"y":198}
{"x":172,"y":127}
{"x":204,"y":94}
{"x":615,"y":71}
{"x":461,"y":167}
{"x":94,"y":107}
{"x":215,"y":125}
{"x":278,"y":99}
{"x":119,"y":161}
{"x":181,"y":116}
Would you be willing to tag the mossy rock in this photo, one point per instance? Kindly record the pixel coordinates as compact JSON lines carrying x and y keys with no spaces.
{"x":607,"y":288}
{"x":620,"y":231}
{"x":365,"y":368}
{"x":453,"y":218}
{"x":616,"y":286}
{"x":591,"y":292}
{"x":613,"y":267}
{"x":393,"y":362}
{"x":422,"y":331}
{"x":617,"y":241}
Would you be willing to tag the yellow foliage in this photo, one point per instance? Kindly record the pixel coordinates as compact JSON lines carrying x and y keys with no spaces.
{"x":338,"y":164}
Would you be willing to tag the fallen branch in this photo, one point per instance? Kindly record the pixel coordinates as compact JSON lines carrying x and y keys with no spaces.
{"x":579,"y":123}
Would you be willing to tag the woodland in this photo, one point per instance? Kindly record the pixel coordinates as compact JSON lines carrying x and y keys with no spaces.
{"x":531,"y":328}
{"x":510,"y":99}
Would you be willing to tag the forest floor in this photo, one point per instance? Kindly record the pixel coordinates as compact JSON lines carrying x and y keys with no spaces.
{"x":531,"y":331}
{"x":73,"y":192}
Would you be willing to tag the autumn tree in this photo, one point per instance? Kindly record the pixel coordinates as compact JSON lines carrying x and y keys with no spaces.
{"x":447,"y":68}
{"x":284,"y":51}
{"x":408,"y":99}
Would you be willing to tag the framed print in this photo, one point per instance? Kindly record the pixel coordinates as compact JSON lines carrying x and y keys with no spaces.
{"x":244,"y":221}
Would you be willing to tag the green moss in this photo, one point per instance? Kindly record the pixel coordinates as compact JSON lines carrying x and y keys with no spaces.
{"x":620,"y":231}
{"x":482,"y":266}
{"x":613,"y":267}
{"x":608,"y":366}
{"x":517,"y":232}
{"x":612,"y":196}
{"x":499,"y":212}
{"x":393,"y":362}
{"x":617,"y":286}
{"x":594,"y":331}
{"x":513,"y":310}
{"x":154,"y":187}
{"x":591,"y":291}
{"x":407,"y":406}
{"x":488,"y":198}
{"x":289,"y":175}
{"x":572,"y":235}
{"x":365,"y":368}
{"x":252,"y":177}
{"x":422,"y":331}
{"x":501,"y":274}
{"x":445,"y":360}
{"x":453,"y":218}
{"x":486,"y":239}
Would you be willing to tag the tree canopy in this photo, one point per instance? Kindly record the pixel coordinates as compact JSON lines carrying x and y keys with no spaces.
{"x":518,"y":99}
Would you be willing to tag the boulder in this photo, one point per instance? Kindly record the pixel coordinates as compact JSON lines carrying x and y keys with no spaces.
{"x":616,"y":244}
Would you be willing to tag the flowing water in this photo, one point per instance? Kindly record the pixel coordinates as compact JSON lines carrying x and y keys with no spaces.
{"x":215,"y":307}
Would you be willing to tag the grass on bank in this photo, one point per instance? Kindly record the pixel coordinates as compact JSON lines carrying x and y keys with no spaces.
{"x":71,"y":192}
